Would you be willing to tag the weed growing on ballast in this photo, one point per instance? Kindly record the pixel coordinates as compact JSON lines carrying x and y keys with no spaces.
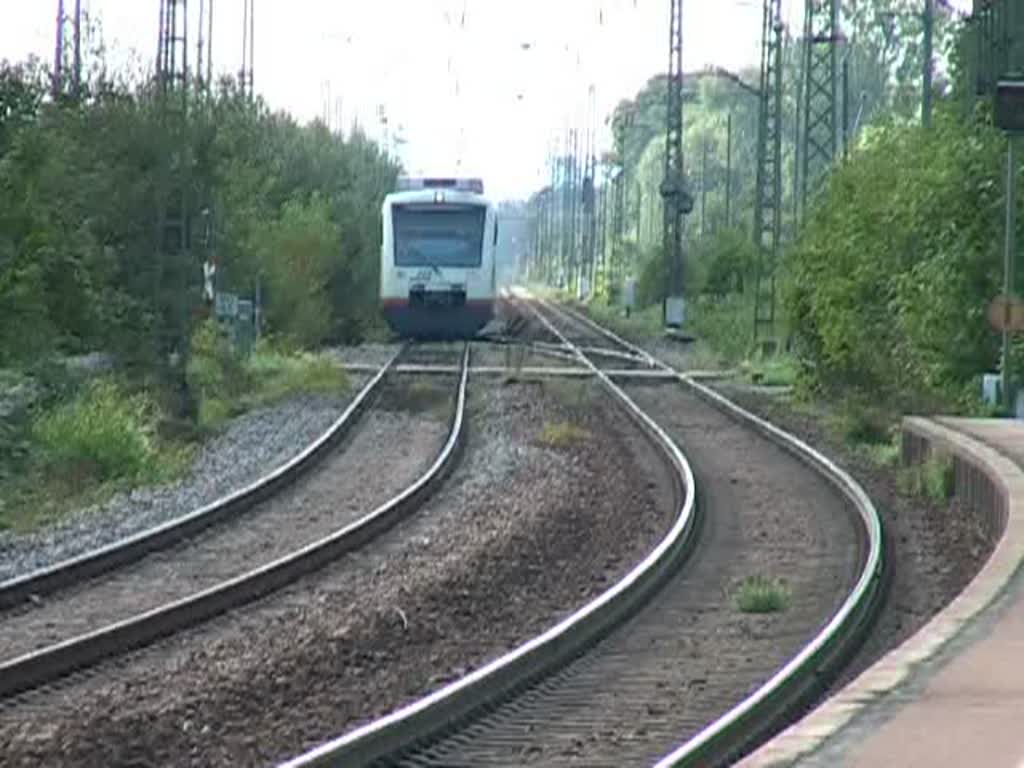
{"x":760,"y":594}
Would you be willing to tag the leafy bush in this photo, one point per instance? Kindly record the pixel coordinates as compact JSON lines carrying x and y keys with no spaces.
{"x":80,"y":188}
{"x":888,"y":284}
{"x":103,"y":433}
{"x":215,"y":370}
{"x":725,"y":323}
{"x":296,"y":253}
{"x":859,"y":421}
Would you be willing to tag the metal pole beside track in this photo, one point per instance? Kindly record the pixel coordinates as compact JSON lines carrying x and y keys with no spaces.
{"x":1009,"y":254}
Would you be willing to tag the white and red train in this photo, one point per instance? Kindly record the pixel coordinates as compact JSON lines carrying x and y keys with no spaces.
{"x":438,"y":275}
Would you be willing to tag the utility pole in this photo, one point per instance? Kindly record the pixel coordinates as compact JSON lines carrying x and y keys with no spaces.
{"x":728,"y":171}
{"x":768,"y":195}
{"x":245,"y":75}
{"x":574,"y":175}
{"x":587,"y":235}
{"x":200,"y":45}
{"x":566,"y":218}
{"x":58,"y":54}
{"x":704,"y":187}
{"x":603,"y":270}
{"x":926,"y":79}
{"x":550,"y":252}
{"x":677,"y":201}
{"x":76,"y":74}
{"x":846,"y":105}
{"x":618,"y":224}
{"x":209,"y":46}
{"x":797,"y":135}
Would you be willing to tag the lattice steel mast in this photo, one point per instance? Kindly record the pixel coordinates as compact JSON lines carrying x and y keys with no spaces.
{"x":821,"y":71}
{"x":60,"y":50}
{"x":677,"y":201}
{"x":174,"y":270}
{"x":768,"y":193}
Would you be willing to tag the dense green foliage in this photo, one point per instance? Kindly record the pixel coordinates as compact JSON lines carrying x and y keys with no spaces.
{"x":885,"y":286}
{"x":292,"y":211}
{"x":81,"y":188}
{"x":228,"y":384}
{"x":889,"y":284}
{"x":104,"y":433}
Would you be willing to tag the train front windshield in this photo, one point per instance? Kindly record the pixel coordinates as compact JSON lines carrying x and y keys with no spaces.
{"x":438,"y":236}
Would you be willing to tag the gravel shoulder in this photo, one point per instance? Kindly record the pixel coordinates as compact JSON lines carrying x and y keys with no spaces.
{"x":523,"y":533}
{"x":251,"y":446}
{"x":344,"y":487}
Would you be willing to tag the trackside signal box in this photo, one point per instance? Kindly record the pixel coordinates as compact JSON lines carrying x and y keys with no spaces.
{"x":1010,"y":106}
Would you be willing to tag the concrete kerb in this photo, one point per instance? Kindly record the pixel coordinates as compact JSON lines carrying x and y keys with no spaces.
{"x":895,"y":668}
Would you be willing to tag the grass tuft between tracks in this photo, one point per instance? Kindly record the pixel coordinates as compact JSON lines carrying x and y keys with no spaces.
{"x":562,"y":434}
{"x":760,"y":594}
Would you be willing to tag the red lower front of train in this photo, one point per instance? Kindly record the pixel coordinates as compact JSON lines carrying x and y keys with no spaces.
{"x":437,"y":317}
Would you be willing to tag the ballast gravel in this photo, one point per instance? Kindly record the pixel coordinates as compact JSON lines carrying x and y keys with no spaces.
{"x":365,"y":354}
{"x":343,"y":487}
{"x":250,"y":447}
{"x":523,"y":532}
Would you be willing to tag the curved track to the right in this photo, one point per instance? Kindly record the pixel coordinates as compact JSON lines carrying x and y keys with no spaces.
{"x":685,"y":659}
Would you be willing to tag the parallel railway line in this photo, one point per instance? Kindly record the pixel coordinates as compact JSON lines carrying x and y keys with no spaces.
{"x":142,"y":596}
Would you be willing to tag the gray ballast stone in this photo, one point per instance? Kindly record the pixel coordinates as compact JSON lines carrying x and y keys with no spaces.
{"x":251,"y":446}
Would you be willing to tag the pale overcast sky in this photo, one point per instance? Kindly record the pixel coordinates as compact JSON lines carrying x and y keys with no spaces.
{"x":449,"y":72}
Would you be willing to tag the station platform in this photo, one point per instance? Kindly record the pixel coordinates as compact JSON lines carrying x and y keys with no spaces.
{"x":953,"y":693}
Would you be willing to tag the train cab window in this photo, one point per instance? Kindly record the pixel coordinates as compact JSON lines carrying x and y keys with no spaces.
{"x":439,"y":235}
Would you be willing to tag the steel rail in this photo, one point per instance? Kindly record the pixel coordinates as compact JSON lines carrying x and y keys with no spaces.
{"x":824,"y":654}
{"x":533,"y":372}
{"x":723,"y":739}
{"x":431,"y":714}
{"x":47,"y":664}
{"x":74,"y":571}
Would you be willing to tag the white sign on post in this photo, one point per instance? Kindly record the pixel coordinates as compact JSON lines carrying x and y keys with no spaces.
{"x":226,"y":305}
{"x":675,"y":311}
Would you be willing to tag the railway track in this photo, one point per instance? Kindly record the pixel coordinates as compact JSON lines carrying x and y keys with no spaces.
{"x":661,"y":659}
{"x":160,"y":583}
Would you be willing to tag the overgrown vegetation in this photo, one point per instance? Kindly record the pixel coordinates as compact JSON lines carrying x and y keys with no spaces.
{"x":229,"y":384}
{"x":82,"y":443}
{"x":888,"y":285}
{"x":934,"y":478}
{"x":82,"y":449}
{"x":104,"y":433}
{"x":291,"y":209}
{"x":82,"y":184}
{"x":883,"y":282}
{"x":760,"y":594}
